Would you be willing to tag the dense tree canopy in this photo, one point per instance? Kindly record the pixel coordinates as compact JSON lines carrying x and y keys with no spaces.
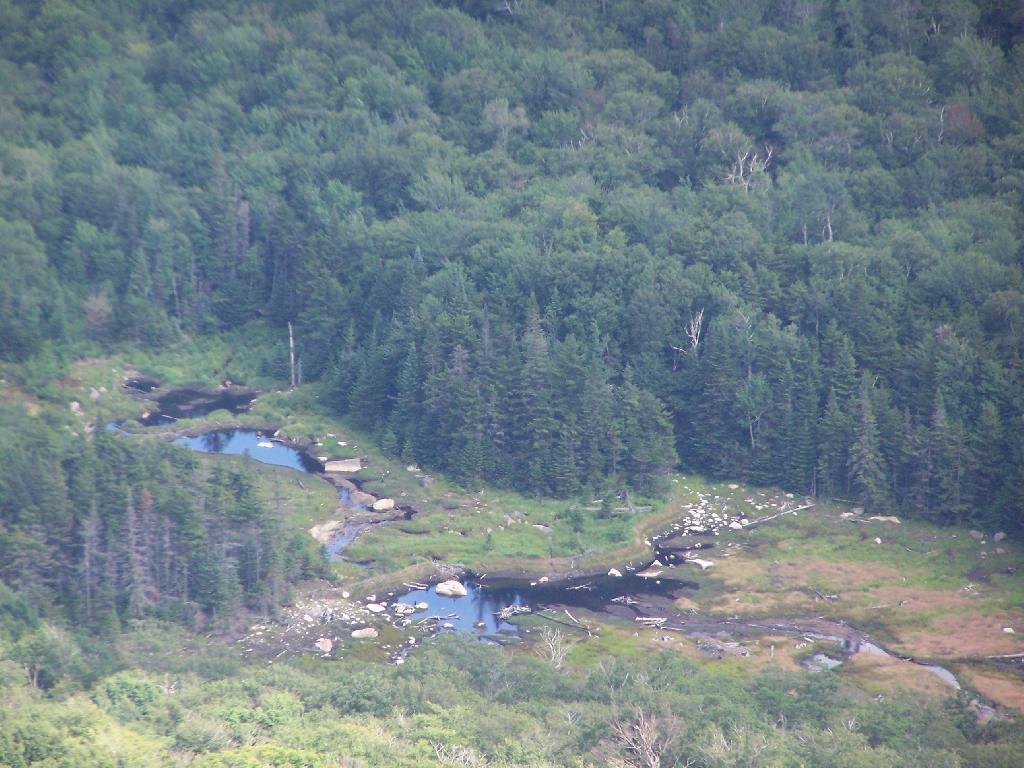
{"x":542,"y":243}
{"x":112,"y":530}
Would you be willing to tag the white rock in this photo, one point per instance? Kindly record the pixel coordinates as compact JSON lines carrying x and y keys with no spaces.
{"x":451,"y":588}
{"x":346,"y":594}
{"x":736,"y":525}
{"x":877,"y":540}
{"x":375,"y":608}
{"x":343,"y":465}
{"x":422,"y":606}
{"x":324,"y":645}
{"x":364,"y":633}
{"x":264,"y":444}
{"x":383,"y":505}
{"x":702,"y":564}
{"x":615,"y":572}
{"x":1009,"y":630}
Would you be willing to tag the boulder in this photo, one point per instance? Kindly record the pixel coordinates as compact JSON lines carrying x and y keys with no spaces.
{"x":421,"y":606}
{"x":403,"y":609}
{"x":324,"y":645}
{"x":383,"y":505}
{"x":702,"y":564}
{"x":720,"y":650}
{"x":326,"y":531}
{"x":364,"y":633}
{"x":999,"y":537}
{"x":375,"y":608}
{"x":615,"y":572}
{"x":976,"y":535}
{"x":451,"y":588}
{"x":426,"y":481}
{"x":343,"y":465}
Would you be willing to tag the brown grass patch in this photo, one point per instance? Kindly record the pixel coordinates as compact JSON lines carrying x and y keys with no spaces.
{"x":818,"y":572}
{"x":789,"y":602}
{"x":739,"y":570}
{"x":686,"y":604}
{"x":965,"y":634}
{"x":921,"y":600}
{"x":833,"y":575}
{"x":785,"y":656}
{"x":879,"y":674}
{"x":1002,"y":688}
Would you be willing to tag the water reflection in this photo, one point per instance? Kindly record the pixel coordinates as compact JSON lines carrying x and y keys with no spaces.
{"x":260,"y":446}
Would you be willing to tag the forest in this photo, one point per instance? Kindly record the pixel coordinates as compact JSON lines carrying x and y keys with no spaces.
{"x":553,"y":245}
{"x":561,"y":249}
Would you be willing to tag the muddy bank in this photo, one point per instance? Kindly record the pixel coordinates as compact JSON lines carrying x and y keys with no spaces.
{"x":191,"y":403}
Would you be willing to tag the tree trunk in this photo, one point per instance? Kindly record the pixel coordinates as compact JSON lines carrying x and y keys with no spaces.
{"x":291,"y":351}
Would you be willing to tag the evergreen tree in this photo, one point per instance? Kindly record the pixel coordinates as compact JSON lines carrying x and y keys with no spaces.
{"x":867,"y":469}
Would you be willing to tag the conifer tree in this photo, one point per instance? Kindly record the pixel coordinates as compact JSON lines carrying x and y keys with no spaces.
{"x":867,"y":469}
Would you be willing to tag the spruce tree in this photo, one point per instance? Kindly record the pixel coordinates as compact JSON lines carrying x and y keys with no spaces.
{"x":867,"y":468}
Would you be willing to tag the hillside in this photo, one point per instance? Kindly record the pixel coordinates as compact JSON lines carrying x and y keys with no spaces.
{"x":511,"y":383}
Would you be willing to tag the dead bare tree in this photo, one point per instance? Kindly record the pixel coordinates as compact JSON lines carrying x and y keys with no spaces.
{"x":554,"y":646}
{"x":693,"y":329}
{"x":748,"y":167}
{"x":291,"y":352}
{"x":456,"y":755}
{"x":644,"y":739}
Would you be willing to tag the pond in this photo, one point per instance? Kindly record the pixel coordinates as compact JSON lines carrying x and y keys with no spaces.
{"x":260,"y":446}
{"x":627,"y":596}
{"x":195,"y":403}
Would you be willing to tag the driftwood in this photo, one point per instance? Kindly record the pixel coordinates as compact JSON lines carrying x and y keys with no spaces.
{"x":752,"y":523}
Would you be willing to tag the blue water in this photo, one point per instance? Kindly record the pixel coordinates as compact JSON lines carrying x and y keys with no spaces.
{"x":479,"y":605}
{"x":247,"y":442}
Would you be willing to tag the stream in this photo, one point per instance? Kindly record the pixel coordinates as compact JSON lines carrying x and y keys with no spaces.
{"x":629,"y":597}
